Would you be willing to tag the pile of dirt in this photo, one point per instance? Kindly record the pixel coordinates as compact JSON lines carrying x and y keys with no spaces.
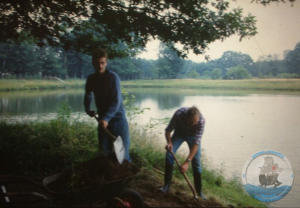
{"x":95,"y":172}
{"x":146,"y":182}
{"x":101,"y":170}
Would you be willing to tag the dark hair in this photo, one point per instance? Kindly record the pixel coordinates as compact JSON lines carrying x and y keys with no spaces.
{"x":98,"y":53}
{"x":191,"y":113}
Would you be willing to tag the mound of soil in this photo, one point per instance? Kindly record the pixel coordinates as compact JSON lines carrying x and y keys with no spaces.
{"x":95,"y":172}
{"x":100,"y":170}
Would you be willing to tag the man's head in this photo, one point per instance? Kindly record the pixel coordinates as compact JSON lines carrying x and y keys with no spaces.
{"x":99,"y":60}
{"x":192,"y":116}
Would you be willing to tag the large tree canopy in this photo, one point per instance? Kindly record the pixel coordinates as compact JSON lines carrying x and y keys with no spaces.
{"x":266,"y":2}
{"x":292,"y":60}
{"x":82,"y":24}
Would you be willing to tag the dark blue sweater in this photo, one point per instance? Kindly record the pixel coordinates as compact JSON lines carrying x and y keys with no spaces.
{"x":107,"y":94}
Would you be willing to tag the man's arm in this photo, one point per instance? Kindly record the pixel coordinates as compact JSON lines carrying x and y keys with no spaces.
{"x":198,"y":135}
{"x":116,"y":99}
{"x":190,"y":157}
{"x":169,"y":146}
{"x":168,"y":130}
{"x":88,"y":98}
{"x":192,"y":152}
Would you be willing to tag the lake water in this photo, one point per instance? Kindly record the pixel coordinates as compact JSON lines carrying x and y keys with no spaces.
{"x":237,"y":125}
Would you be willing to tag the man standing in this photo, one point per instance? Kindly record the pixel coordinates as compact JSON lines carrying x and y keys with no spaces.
{"x":105,"y":86}
{"x":188,"y":125}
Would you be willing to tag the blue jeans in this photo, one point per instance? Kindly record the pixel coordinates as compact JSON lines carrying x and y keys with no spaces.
{"x":196,"y":162}
{"x":118,"y":127}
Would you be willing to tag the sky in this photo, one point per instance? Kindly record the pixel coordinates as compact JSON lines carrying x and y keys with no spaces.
{"x":278,"y":27}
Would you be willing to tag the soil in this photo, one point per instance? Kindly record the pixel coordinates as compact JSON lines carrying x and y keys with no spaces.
{"x":100,"y":171}
{"x":148,"y":184}
{"x":95,"y":172}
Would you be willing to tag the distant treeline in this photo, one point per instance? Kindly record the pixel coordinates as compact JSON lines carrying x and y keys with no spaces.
{"x":29,"y":60}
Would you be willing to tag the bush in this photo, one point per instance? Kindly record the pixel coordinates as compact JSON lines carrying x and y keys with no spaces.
{"x":237,"y":72}
{"x":288,"y":75}
{"x":43,"y":148}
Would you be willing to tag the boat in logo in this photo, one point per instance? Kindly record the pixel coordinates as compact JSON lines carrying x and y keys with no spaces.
{"x":267,"y":176}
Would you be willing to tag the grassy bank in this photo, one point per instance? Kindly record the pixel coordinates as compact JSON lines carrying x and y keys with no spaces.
{"x":35,"y":84}
{"x":250,"y":84}
{"x":39,"y":149}
{"x":290,"y":85}
{"x":215,"y":186}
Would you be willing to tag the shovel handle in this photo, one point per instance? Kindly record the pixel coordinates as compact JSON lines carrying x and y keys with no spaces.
{"x":185,"y":176}
{"x":113,"y":137}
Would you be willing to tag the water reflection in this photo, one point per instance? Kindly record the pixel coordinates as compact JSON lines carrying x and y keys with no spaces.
{"x":164,"y":101}
{"x":43,"y":102}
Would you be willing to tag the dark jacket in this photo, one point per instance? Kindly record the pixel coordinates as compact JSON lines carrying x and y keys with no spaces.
{"x":107,"y":94}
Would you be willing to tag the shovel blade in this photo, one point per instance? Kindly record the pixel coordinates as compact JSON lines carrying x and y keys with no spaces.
{"x":119,"y":149}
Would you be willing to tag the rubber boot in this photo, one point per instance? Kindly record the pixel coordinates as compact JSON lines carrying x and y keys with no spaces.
{"x":198,"y":185}
{"x":167,"y":178}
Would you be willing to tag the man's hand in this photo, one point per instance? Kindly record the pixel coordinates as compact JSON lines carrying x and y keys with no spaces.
{"x":169,"y":147}
{"x":91,"y":113}
{"x":184,"y":167}
{"x":103,"y":124}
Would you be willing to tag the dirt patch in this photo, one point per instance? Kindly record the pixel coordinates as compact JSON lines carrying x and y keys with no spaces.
{"x":95,"y":172}
{"x":103,"y":171}
{"x":147,"y":183}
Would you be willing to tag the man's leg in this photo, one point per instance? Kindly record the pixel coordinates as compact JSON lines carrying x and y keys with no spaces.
{"x":119,"y":127}
{"x":169,"y":164}
{"x":197,"y":170}
{"x":105,"y":144}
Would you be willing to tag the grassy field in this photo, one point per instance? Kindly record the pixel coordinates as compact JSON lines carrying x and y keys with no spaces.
{"x":41,"y":148}
{"x":249,"y":84}
{"x":34,"y":84}
{"x":223,"y":85}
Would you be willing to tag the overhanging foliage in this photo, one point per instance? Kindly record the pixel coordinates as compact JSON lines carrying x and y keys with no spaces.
{"x":82,"y":24}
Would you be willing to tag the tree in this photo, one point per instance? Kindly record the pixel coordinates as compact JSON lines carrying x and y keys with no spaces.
{"x":52,"y":62}
{"x":268,"y":66}
{"x":147,"y":68}
{"x":78,"y":65}
{"x":216,"y":73}
{"x":231,"y":58}
{"x":125,"y":68}
{"x":266,"y":2}
{"x":132,"y":22}
{"x":237,"y":72}
{"x":169,"y":63}
{"x":20,"y":59}
{"x":292,"y":60}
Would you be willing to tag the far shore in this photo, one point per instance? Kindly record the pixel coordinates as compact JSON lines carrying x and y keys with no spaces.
{"x":279,"y":85}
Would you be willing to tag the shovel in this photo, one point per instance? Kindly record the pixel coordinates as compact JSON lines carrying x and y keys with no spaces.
{"x":118,"y":145}
{"x":185,"y":176}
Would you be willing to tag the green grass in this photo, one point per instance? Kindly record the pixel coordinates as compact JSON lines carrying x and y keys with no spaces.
{"x":42,"y":148}
{"x":210,"y":92}
{"x":285,"y":85}
{"x":227,"y":192}
{"x":249,"y":84}
{"x":38,"y":93}
{"x":35,"y":84}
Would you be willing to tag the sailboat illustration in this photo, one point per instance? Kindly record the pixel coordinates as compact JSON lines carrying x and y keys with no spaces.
{"x":269,"y":173}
